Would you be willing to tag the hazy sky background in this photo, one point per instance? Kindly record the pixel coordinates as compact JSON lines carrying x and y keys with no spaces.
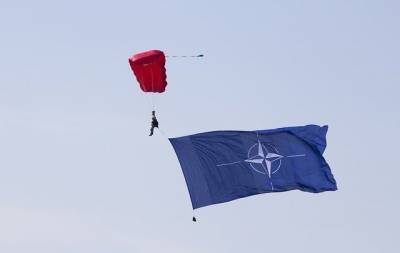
{"x":78,"y":172}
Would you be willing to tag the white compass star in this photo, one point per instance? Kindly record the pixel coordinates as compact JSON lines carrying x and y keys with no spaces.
{"x":265,"y":160}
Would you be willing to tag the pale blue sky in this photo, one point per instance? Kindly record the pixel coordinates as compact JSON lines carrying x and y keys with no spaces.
{"x":78,"y":172}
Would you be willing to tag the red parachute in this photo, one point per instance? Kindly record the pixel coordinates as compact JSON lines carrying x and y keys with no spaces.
{"x":149,"y":69}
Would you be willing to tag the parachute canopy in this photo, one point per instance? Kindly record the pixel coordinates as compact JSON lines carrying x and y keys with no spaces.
{"x":149,"y":69}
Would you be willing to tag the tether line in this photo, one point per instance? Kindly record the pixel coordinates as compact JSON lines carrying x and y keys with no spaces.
{"x":185,"y":56}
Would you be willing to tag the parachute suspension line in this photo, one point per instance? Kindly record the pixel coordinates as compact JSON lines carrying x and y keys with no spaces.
{"x":185,"y":56}
{"x":152,"y":89}
{"x":152,"y":100}
{"x":149,"y":100}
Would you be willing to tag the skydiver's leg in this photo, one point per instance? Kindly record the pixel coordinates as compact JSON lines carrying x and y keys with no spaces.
{"x":151,"y":131}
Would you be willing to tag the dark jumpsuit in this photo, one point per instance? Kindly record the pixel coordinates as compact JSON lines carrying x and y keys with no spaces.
{"x":154,"y":123}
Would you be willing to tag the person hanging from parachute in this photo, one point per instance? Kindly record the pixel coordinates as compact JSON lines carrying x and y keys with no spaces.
{"x":149,"y":69}
{"x":150,"y":72}
{"x":154,"y":123}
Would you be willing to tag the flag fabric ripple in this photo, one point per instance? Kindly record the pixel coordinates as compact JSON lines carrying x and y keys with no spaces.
{"x":221,"y":166}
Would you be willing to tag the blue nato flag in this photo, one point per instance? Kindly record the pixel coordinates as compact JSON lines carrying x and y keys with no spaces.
{"x":221,"y":166}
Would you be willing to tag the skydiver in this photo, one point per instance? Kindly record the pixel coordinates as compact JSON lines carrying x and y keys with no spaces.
{"x":154,"y":123}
